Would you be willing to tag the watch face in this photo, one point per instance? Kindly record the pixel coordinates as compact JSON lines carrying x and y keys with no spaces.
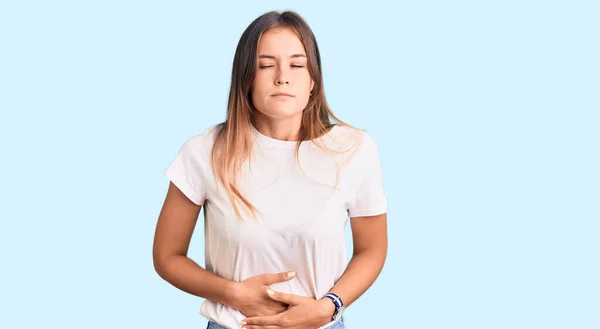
{"x":339,"y":313}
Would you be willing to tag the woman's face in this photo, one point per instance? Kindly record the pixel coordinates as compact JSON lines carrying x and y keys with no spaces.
{"x":281,"y":68}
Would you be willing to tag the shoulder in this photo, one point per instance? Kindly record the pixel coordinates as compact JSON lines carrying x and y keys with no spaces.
{"x":354,"y":138}
{"x":202,"y":141}
{"x":197,"y":149}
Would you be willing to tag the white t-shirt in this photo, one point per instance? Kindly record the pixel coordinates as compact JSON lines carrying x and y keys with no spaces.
{"x":302,"y":220}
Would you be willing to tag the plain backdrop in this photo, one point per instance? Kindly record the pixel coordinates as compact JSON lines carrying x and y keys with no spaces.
{"x":486,"y":113}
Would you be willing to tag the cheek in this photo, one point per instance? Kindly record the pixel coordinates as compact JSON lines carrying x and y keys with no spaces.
{"x":261,"y":85}
{"x":304,"y":81}
{"x":261,"y":77}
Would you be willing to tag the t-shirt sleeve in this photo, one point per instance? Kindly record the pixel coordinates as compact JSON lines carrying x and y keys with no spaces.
{"x":184,"y":171}
{"x":370,"y":199}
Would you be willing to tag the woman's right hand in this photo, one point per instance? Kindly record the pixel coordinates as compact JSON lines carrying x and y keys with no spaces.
{"x":251,"y":296}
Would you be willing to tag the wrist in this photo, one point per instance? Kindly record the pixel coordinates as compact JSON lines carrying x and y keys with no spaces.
{"x":338,"y":305}
{"x":327,"y":309}
{"x":232,"y":291}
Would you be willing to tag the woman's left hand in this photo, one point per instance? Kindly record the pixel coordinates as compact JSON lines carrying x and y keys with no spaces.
{"x":302,"y":313}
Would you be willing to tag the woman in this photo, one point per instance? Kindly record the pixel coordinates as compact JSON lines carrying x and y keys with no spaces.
{"x":278,"y":182}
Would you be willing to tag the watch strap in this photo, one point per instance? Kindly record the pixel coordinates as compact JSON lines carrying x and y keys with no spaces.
{"x":337,"y":301}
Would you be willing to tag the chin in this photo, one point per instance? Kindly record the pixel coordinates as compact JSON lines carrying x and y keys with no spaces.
{"x":283,"y":113}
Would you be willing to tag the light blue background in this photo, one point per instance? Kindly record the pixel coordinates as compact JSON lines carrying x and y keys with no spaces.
{"x":486,"y":115}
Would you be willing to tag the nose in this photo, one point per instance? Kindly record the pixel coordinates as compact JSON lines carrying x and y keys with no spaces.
{"x":282,"y":78}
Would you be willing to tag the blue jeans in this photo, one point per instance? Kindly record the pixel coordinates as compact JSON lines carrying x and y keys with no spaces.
{"x":337,"y":325}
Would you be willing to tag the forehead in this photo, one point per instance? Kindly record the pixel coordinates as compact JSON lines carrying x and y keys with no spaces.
{"x":280,"y":42}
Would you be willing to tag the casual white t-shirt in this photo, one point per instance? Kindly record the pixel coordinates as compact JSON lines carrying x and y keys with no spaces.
{"x":302,"y":220}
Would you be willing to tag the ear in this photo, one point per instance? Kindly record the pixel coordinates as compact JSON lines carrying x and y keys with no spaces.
{"x":312,"y":85}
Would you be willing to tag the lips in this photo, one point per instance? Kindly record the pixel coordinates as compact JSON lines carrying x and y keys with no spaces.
{"x":283,"y":94}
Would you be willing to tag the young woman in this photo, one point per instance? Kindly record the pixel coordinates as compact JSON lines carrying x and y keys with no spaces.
{"x":278,"y":182}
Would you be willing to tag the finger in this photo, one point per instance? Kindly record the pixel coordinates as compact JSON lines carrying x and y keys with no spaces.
{"x":277,"y":277}
{"x":261,"y":322}
{"x":289,"y":299}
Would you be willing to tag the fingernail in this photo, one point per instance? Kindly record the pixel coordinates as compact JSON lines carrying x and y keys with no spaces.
{"x":270,"y":292}
{"x":243,"y":323}
{"x":291,"y":274}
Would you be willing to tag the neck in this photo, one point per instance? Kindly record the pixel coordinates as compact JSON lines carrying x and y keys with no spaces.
{"x":286,"y":129}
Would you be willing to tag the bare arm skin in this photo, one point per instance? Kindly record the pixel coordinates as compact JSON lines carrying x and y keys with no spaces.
{"x":174,"y":229}
{"x":173,"y":234}
{"x":369,"y":236}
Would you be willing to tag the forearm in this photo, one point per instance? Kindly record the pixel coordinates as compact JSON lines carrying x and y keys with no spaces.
{"x":185,"y":274}
{"x":362,"y":270}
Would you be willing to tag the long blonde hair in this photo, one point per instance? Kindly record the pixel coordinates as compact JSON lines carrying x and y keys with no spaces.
{"x":233,"y":137}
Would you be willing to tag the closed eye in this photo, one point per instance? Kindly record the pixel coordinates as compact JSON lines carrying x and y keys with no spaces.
{"x":266,"y":66}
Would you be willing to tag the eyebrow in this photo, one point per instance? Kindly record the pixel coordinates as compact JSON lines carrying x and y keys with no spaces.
{"x":273,"y":57}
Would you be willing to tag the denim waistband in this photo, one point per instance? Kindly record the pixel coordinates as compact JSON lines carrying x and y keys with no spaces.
{"x":335,"y":325}
{"x":213,"y":325}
